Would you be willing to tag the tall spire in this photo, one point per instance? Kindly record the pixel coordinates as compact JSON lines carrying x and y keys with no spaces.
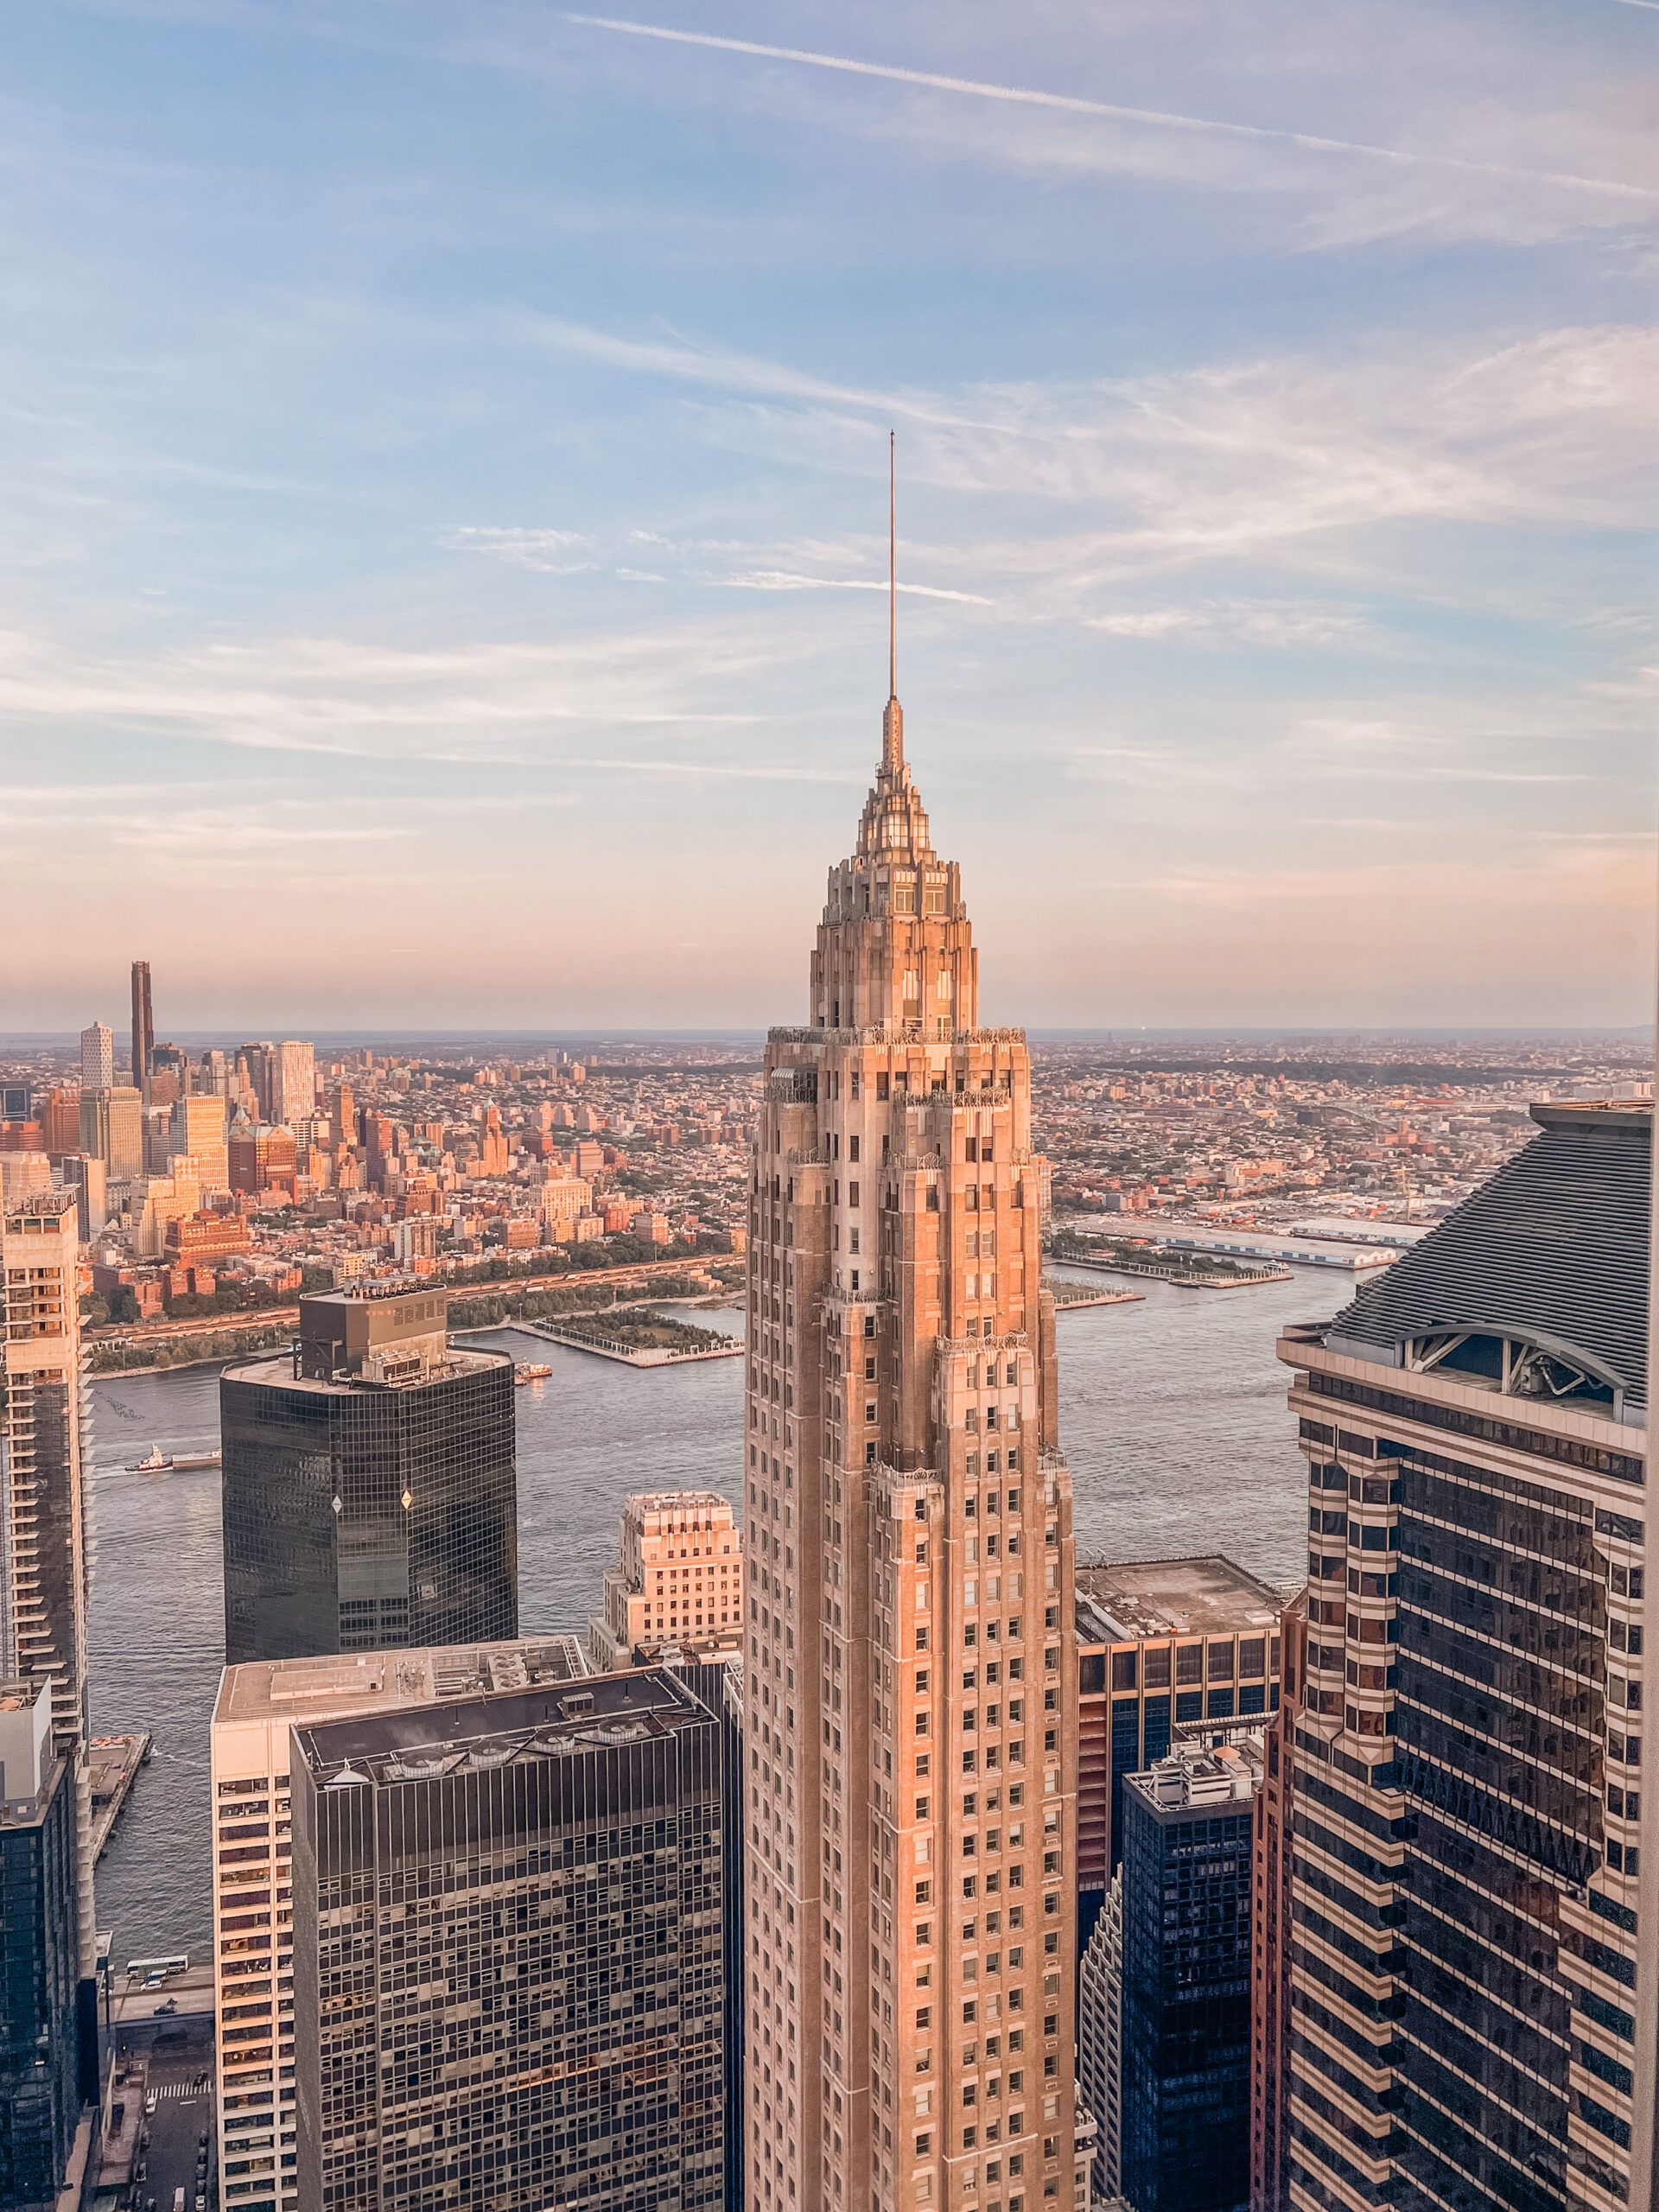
{"x":892,"y":564}
{"x":893,"y":721}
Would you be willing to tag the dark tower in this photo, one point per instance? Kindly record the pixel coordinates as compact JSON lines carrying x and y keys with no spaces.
{"x":370,"y":1487}
{"x":143,"y":1027}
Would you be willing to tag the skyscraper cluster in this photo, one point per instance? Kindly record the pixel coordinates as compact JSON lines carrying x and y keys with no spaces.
{"x":871,"y":1852}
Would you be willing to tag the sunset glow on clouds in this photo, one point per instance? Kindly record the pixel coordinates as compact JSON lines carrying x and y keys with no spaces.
{"x":444,"y":532}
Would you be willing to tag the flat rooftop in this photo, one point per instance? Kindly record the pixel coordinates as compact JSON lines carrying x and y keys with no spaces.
{"x":423,"y":1743}
{"x":275,"y":1370}
{"x":679,"y":1501}
{"x":1125,"y":1601}
{"x":388,"y":1681}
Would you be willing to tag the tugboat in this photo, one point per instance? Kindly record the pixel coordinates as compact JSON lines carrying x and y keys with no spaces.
{"x":157,"y":1462}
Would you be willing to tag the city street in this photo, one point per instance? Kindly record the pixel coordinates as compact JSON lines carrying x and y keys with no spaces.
{"x":181,"y":2052}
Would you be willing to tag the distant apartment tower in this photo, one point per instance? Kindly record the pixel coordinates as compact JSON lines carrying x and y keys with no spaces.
{"x":143,"y":1027}
{"x":112,"y":1130}
{"x":1466,"y":1972}
{"x":522,"y":1891}
{"x":262,"y":1066}
{"x":60,"y":1121}
{"x":21,"y":1173}
{"x":369,"y":1483}
{"x":197,"y":1130}
{"x":89,"y":1180}
{"x":169,"y":1075}
{"x":44,"y":1568}
{"x":96,"y":1057}
{"x":1166,"y":1647}
{"x":40,"y":2062}
{"x":259,"y":1156}
{"x":253,"y":1911}
{"x":342,"y":1115}
{"x":1184,"y":2002}
{"x":294,"y":1081}
{"x":677,"y":1584}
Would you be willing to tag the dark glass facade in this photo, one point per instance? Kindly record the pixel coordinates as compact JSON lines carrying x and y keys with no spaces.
{"x":1468,"y":1736}
{"x":359,"y":1516}
{"x":1185,"y":2090}
{"x":1447,"y":1896}
{"x":508,"y":1954}
{"x":719,"y":1684}
{"x":40,"y":2100}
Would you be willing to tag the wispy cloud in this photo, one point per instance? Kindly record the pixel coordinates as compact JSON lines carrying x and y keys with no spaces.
{"x":461,"y":703}
{"x":1303,"y":142}
{"x":1285,"y":624}
{"x":1224,"y":463}
{"x":541,"y":550}
{"x":784,"y":580}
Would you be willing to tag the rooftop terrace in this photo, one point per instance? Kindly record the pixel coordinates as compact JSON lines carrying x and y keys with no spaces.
{"x":423,"y":1743}
{"x":388,"y":1681}
{"x":1124,"y":1601}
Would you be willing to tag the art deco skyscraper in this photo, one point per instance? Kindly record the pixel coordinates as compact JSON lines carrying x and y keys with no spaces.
{"x":911,"y":1800}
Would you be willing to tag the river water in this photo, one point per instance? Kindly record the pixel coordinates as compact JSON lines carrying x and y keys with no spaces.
{"x":1172,"y":1413}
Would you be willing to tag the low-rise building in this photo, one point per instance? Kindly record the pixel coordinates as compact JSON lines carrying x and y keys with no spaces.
{"x":677,"y":1583}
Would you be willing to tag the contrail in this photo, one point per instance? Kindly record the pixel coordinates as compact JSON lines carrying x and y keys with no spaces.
{"x":1021,"y":96}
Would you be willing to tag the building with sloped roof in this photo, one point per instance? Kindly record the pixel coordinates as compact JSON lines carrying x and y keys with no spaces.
{"x":1467,"y":1726}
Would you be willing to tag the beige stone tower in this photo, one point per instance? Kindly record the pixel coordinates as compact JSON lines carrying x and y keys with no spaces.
{"x":911,"y":1791}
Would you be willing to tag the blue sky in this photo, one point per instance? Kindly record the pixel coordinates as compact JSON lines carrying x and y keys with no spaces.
{"x":444,"y":504}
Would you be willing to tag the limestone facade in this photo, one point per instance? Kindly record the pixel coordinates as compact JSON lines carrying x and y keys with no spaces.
{"x":910,"y":1801}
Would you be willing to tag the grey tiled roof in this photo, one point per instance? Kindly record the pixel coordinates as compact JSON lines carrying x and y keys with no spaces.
{"x":1554,"y":1248}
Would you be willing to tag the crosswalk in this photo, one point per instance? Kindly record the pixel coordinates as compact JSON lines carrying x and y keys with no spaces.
{"x":185,"y":2090}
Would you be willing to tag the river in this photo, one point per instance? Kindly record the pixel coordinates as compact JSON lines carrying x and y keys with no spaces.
{"x":1172,"y":1413}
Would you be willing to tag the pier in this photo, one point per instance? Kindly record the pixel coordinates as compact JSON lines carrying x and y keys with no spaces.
{"x":115,"y":1761}
{"x":627,"y":1354}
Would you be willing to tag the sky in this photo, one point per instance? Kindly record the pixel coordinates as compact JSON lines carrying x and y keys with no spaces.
{"x":443,"y":448}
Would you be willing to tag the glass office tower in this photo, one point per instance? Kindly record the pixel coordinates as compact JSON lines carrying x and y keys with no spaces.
{"x":41,"y":2061}
{"x":507,"y":1952}
{"x":370,"y":1485}
{"x":1185,"y":2004}
{"x":1468,"y":1734}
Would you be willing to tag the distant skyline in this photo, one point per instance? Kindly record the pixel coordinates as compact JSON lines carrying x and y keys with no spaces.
{"x":444,"y":530}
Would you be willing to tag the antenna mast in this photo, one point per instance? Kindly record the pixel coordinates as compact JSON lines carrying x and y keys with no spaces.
{"x":892,"y":568}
